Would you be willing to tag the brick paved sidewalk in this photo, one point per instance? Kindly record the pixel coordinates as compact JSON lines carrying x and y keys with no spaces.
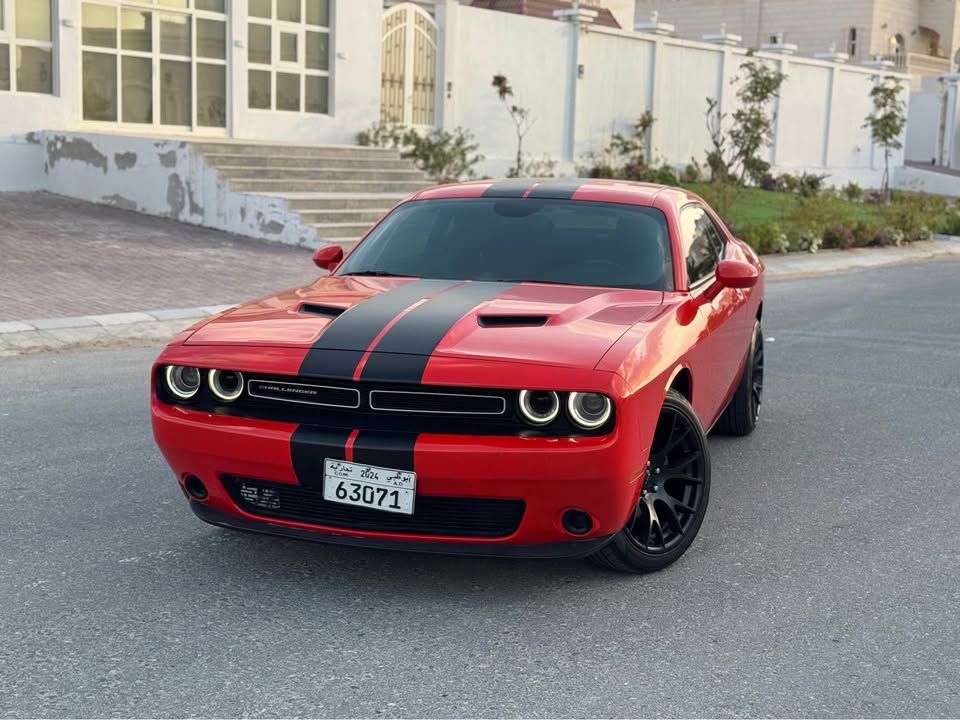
{"x":63,"y":258}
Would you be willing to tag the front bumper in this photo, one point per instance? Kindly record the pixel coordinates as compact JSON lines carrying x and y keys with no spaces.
{"x":550,"y":475}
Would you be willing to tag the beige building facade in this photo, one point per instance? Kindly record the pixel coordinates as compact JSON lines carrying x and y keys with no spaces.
{"x":922,"y":36}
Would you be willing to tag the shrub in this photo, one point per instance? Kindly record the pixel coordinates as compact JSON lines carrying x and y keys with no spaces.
{"x":809,"y":241}
{"x":663,"y":175}
{"x":811,"y":184}
{"x":863,"y":233}
{"x":770,"y":182}
{"x":852,"y":192}
{"x":531,"y":167}
{"x":888,"y":236}
{"x":388,"y":135}
{"x":912,"y":214}
{"x":692,"y":173}
{"x":766,"y":239}
{"x":788,"y":182}
{"x":444,"y":156}
{"x":949,"y":223}
{"x":839,"y":236}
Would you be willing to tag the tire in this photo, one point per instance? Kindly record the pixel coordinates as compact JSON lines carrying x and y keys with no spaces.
{"x":743,"y":411}
{"x":676,"y":488}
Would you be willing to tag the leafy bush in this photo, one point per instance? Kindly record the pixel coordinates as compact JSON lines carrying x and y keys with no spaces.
{"x":444,"y":156}
{"x":863,"y":233}
{"x":766,"y":238}
{"x":788,"y":183}
{"x":839,"y":236}
{"x":888,"y":236}
{"x":388,"y":135}
{"x":663,"y":175}
{"x":949,"y":223}
{"x":625,"y":157}
{"x":912,"y":214}
{"x":809,"y":241}
{"x":814,"y":214}
{"x":692,"y":173}
{"x":811,"y":184}
{"x":531,"y":167}
{"x":770,"y":183}
{"x":852,"y":192}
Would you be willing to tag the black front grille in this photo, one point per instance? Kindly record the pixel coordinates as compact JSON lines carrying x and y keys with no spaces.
{"x":451,"y":516}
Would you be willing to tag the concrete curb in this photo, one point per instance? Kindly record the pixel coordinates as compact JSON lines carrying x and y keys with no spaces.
{"x":802,"y":265}
{"x":20,"y":337}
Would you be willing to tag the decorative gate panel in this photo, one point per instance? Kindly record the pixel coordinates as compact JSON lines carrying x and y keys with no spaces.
{"x":409,"y":66}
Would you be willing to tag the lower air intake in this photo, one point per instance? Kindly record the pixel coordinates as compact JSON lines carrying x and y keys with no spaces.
{"x":450,"y":516}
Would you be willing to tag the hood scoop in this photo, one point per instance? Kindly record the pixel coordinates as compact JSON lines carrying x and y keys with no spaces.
{"x":328,"y":311}
{"x":501,"y":321}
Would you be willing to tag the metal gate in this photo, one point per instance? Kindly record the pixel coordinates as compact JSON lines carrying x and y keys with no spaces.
{"x":408,"y":92}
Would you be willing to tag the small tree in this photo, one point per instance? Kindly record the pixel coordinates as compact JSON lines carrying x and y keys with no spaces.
{"x":521,"y":117}
{"x":631,"y":150}
{"x":736,"y":152}
{"x":887,"y":123}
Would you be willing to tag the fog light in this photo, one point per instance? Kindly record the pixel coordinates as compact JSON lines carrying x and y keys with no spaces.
{"x":195,"y":487}
{"x":577,"y":522}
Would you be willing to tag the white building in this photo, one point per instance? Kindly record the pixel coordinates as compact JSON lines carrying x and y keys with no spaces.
{"x":146,"y":104}
{"x":271,"y":69}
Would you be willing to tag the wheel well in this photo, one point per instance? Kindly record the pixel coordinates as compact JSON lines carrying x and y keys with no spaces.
{"x":683,"y":384}
{"x":760,"y":312}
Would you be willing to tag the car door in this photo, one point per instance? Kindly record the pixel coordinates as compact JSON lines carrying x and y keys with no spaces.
{"x":719,"y":351}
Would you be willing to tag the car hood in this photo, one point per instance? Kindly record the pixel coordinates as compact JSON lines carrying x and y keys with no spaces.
{"x":558,"y":325}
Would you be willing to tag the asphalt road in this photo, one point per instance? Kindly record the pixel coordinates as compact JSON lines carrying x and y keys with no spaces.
{"x":825,"y":581}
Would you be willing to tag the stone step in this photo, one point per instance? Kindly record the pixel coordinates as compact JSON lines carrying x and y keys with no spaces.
{"x":232,"y":160}
{"x":356,"y":217}
{"x":331,"y":231}
{"x":318,"y":151}
{"x":285,"y":185}
{"x":325,"y":173}
{"x":319,"y":202}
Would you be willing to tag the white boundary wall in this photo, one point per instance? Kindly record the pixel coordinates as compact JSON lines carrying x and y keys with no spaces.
{"x":820,"y":111}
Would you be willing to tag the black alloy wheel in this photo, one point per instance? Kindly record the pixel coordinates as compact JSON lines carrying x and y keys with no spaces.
{"x":673,"y":498}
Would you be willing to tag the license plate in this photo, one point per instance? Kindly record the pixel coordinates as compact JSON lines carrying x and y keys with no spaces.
{"x":369,"y":486}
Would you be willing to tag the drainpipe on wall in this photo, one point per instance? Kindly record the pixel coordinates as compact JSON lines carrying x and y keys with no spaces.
{"x":579,"y":19}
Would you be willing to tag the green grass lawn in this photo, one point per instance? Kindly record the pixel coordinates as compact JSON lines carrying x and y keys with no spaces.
{"x":754,"y":206}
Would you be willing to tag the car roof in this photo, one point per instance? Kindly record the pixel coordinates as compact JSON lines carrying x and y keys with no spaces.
{"x":591,"y":189}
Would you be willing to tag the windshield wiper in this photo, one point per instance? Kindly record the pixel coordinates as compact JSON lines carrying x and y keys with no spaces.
{"x":373,"y":273}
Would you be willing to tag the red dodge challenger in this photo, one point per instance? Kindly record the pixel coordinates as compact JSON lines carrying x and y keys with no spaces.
{"x":516,"y":368}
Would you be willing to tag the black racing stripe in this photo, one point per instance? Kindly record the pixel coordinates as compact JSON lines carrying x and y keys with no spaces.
{"x":385,"y":449}
{"x":556,"y":190}
{"x":339,"y":349}
{"x":508,"y":189}
{"x":310,"y":446}
{"x":403,"y":352}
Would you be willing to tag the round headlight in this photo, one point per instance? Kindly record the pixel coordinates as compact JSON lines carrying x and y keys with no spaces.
{"x":227,"y":385}
{"x":539,"y":407}
{"x":183,"y":382}
{"x":589,"y":410}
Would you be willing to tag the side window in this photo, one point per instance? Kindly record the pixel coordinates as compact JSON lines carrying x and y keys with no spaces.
{"x":702,"y":243}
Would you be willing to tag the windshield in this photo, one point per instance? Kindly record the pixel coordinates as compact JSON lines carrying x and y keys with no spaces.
{"x":571,"y":242}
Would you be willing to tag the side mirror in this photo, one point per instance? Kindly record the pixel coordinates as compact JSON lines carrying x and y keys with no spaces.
{"x":328,"y":257}
{"x":736,"y":274}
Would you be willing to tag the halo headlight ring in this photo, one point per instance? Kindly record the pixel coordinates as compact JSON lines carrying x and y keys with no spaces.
{"x":582,"y":416}
{"x":226,"y":385}
{"x":539,"y":407}
{"x":183,"y":382}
